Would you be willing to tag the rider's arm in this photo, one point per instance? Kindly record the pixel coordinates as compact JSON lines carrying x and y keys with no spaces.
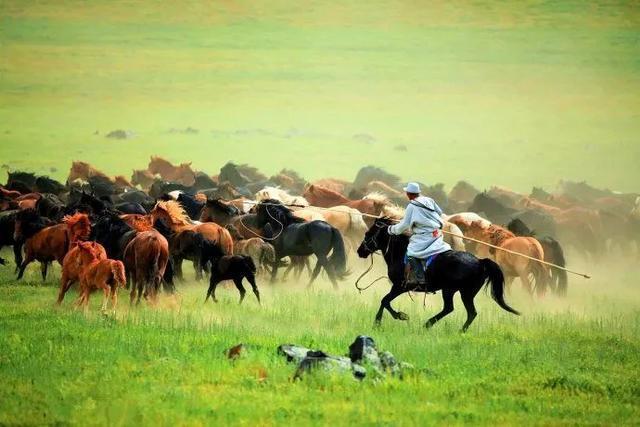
{"x":403,"y":225}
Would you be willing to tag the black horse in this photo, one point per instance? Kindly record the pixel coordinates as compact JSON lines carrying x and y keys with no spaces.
{"x":7,"y":227}
{"x":450,"y":271}
{"x":293,"y":236}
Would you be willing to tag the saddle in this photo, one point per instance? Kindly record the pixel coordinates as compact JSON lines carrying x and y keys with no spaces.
{"x":417,"y":281}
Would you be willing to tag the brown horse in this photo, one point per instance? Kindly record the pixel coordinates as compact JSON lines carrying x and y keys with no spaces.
{"x":146,"y":257}
{"x":75,"y":261}
{"x":178,"y":220}
{"x":326,"y":198}
{"x":84,"y":171}
{"x":100,"y":273}
{"x":49,"y":243}
{"x":182,"y":173}
{"x":337,"y":185}
{"x":512,"y":265}
{"x":143,"y":178}
{"x":262,"y":253}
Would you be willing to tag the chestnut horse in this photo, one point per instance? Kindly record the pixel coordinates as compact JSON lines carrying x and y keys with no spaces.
{"x":182,"y":174}
{"x":325,"y":198}
{"x":47,"y":244}
{"x":84,"y":171}
{"x":146,"y":257}
{"x":100,"y":273}
{"x":512,"y":265}
{"x":174,"y":215}
{"x":75,"y":261}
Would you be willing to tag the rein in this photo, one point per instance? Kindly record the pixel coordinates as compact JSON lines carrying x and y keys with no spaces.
{"x":270,"y":239}
{"x":366,"y":245}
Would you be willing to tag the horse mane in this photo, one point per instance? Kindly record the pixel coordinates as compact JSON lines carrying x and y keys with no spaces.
{"x":393,"y":211}
{"x":77,"y":218}
{"x":222,"y":206}
{"x":498,"y":234}
{"x":174,"y":211}
{"x":519,"y":228}
{"x":274,"y":208}
{"x":377,"y":197}
{"x":138,"y":222}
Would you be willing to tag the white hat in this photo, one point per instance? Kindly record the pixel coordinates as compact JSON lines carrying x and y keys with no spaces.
{"x":412,"y":187}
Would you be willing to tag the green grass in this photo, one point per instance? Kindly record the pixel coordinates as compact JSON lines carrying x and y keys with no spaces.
{"x":570,"y":361}
{"x":519,"y":93}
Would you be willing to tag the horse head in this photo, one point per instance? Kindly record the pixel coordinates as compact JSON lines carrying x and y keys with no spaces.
{"x":376,"y":237}
{"x":78,"y":225}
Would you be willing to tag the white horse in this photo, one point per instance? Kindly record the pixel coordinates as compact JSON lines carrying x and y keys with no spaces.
{"x":278,"y":193}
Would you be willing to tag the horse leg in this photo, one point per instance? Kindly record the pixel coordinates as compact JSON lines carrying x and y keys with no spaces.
{"x":212,"y":290}
{"x":65,"y":284}
{"x":105,"y":298}
{"x":385,"y":303}
{"x":467,"y":300}
{"x":28,"y":259}
{"x":132,"y":294}
{"x":252,"y":281}
{"x":177,"y":267}
{"x":274,"y":270}
{"x":17,"y":255}
{"x":114,"y":297}
{"x":332,"y":276}
{"x":526,"y":283}
{"x":447,"y":298}
{"x":198,"y":268}
{"x":44,"y":266}
{"x":238,"y":283}
{"x":316,"y":271}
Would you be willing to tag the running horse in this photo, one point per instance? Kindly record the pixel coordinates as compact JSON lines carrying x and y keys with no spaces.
{"x":449,"y":272}
{"x":326,"y":198}
{"x":177,"y":219}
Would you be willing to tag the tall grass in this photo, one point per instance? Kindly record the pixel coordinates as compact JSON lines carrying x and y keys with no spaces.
{"x":564,"y":361}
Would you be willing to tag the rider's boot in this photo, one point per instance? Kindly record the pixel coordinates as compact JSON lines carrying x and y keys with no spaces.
{"x":416,"y":275}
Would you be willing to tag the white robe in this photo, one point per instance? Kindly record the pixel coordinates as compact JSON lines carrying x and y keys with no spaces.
{"x":425,"y":226}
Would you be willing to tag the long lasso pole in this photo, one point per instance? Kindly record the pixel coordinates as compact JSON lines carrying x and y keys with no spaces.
{"x":586,"y":276}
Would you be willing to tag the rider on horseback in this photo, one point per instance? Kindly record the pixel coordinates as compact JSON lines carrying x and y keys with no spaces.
{"x":422,"y":217}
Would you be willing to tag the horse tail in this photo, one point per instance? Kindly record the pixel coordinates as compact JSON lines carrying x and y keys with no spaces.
{"x":493,"y":274}
{"x":338,"y":259}
{"x":540,"y":271}
{"x":226,"y":241}
{"x":119,"y":276}
{"x":155,"y":277}
{"x":556,"y":256}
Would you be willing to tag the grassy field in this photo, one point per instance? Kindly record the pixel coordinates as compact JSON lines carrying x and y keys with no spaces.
{"x":516,"y":93}
{"x":571,"y":361}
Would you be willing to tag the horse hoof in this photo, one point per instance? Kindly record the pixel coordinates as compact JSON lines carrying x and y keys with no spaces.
{"x":402,"y":316}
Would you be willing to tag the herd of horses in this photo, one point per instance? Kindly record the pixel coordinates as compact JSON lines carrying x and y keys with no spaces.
{"x":112,"y":232}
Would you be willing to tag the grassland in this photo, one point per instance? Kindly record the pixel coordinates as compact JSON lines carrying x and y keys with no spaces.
{"x":519,"y":93}
{"x":571,"y":361}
